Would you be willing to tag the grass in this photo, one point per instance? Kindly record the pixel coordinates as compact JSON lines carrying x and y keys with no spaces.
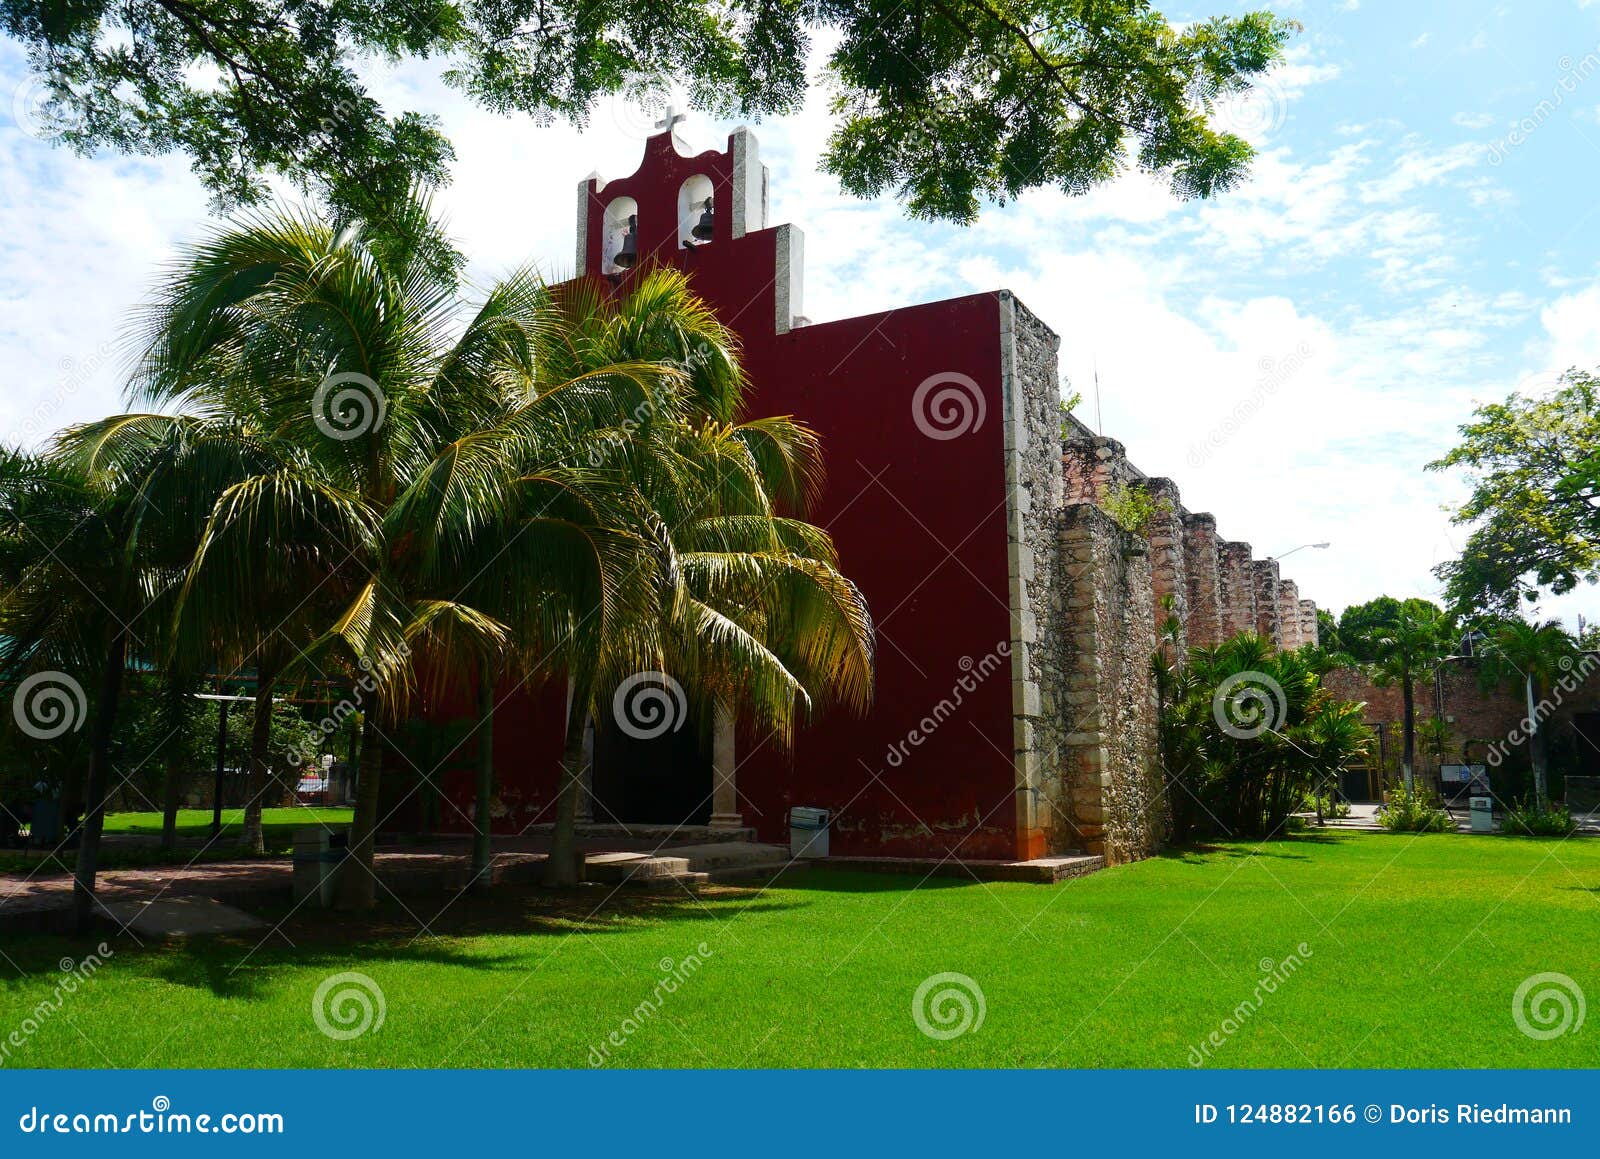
{"x":194,"y":832}
{"x":277,"y":825}
{"x":1413,"y":949}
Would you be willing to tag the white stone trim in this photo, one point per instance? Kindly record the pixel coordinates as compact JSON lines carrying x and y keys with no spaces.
{"x":788,"y":290}
{"x":749,"y":184}
{"x":581,"y":267}
{"x":724,"y":768}
{"x":1025,"y":700}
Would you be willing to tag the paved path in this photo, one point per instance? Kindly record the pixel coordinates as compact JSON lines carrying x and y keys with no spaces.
{"x":1364,"y":819}
{"x":233,"y":882}
{"x":30,"y":901}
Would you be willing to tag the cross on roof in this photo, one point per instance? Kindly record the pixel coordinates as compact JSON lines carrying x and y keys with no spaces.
{"x":672,"y":118}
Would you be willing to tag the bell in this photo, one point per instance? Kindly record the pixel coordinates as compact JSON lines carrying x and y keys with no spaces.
{"x":704,"y":230}
{"x":628,"y":256}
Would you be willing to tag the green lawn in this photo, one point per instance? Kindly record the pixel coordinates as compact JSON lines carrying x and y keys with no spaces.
{"x":1416,"y":946}
{"x":278,"y":825}
{"x":194,"y":831}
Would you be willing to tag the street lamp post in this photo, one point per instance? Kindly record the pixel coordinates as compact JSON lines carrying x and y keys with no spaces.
{"x":1292,"y":550}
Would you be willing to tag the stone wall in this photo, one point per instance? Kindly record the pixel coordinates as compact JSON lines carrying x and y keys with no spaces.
{"x":1109,"y":798}
{"x":1477,"y":718}
{"x":1310,"y":630}
{"x":1236,"y":583}
{"x":1288,"y":614}
{"x":1264,"y":572}
{"x":1169,"y":577}
{"x":1086,"y":613}
{"x":1093,"y":467}
{"x":1031,"y":393}
{"x":1205,"y":624}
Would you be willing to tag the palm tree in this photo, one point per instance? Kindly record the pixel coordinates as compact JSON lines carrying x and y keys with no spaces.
{"x":428,"y":469}
{"x":1537,"y":656}
{"x":66,"y":610}
{"x":1405,"y":652}
{"x":94,"y":534}
{"x":755,"y":619}
{"x":553,"y":485}
{"x":1247,"y":731}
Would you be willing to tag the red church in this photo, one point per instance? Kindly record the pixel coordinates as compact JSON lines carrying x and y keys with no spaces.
{"x":1014,"y":715}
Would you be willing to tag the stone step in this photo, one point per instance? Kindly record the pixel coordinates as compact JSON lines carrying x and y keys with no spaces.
{"x":687,"y":864}
{"x":1041,"y":870}
{"x":760,"y":871}
{"x":660,"y":834}
{"x":728,"y":855}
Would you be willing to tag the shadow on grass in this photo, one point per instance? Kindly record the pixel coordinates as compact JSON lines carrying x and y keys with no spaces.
{"x":1280,"y":848}
{"x":821,"y":879}
{"x":430,"y":928}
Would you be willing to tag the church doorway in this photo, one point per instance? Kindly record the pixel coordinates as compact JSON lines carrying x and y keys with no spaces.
{"x":1587,"y":726}
{"x":651,"y":780}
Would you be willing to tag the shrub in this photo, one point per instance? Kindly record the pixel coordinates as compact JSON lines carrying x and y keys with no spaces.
{"x":1414,"y":811}
{"x":1247,"y":732}
{"x":1529,"y":820}
{"x":1327,"y":804}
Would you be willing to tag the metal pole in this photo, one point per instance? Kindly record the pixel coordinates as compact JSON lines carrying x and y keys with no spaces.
{"x":222,"y":748}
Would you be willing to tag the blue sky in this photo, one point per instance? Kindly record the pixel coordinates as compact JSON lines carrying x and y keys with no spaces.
{"x":1419,"y":233}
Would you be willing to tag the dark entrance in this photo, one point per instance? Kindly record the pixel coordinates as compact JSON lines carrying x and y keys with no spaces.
{"x":1587,"y":726}
{"x":661,"y":781}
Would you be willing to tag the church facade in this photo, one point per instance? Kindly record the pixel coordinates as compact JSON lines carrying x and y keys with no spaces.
{"x":1014,"y":714}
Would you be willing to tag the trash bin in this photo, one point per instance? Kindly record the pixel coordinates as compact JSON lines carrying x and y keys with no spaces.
{"x":44,"y":830}
{"x":1482,"y":814}
{"x":808,"y":832}
{"x":317,"y":856}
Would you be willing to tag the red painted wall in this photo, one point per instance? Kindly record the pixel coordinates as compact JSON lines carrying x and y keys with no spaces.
{"x":921,"y":527}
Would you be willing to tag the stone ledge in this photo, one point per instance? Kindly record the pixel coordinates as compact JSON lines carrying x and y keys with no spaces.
{"x":1039,"y":871}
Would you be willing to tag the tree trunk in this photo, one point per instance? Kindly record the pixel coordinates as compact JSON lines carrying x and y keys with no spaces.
{"x":172,"y":788}
{"x":561,"y":870}
{"x":1536,"y":754}
{"x":251,"y":839}
{"x":175,"y":707}
{"x":357,"y":885}
{"x":1408,"y":728}
{"x":482,"y":841}
{"x":105,"y":711}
